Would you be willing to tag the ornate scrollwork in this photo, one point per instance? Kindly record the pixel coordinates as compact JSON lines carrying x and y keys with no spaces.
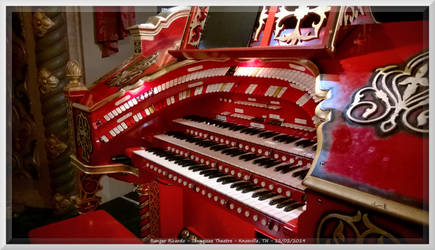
{"x":41,"y":23}
{"x":261,"y":22}
{"x":134,"y":70}
{"x":47,"y":81}
{"x":395,"y":95}
{"x":339,"y":228}
{"x":84,"y":140}
{"x":299,"y":13}
{"x":349,"y":14}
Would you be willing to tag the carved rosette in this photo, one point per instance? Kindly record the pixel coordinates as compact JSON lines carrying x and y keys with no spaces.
{"x":338,"y":228}
{"x":297,"y":34}
{"x":396,"y":97}
{"x":149,"y":210}
{"x":197,"y":25}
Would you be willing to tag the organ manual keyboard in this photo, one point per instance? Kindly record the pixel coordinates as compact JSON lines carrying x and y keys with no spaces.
{"x":227,"y":144}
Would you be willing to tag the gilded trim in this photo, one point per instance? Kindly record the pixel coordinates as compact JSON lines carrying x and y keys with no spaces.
{"x":103,"y":169}
{"x":348,"y":226}
{"x":368,"y":200}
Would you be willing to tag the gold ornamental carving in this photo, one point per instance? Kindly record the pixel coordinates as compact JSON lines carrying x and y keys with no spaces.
{"x":338,"y":228}
{"x":41,"y":23}
{"x":55,"y":147}
{"x":47,"y":81}
{"x":84,"y":140}
{"x":301,"y":12}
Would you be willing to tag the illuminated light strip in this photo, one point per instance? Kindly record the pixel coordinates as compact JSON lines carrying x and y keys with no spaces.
{"x":124,"y":117}
{"x":303,"y":99}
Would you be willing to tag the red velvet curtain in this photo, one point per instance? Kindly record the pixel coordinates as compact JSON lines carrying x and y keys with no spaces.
{"x":111,"y":23}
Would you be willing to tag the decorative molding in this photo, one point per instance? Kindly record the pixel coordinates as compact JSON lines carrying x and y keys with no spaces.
{"x":103,"y":169}
{"x":41,"y":23}
{"x":397,"y":96}
{"x":340,"y":228}
{"x":299,"y":13}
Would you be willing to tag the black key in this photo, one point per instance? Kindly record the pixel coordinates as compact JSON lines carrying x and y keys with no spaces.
{"x":206,"y":171}
{"x":196,"y":167}
{"x":243,"y":186}
{"x":314,"y":148}
{"x":225,"y":178}
{"x":285,"y":203}
{"x":266,"y":196}
{"x":290,"y":139}
{"x":234,"y":185}
{"x":277,"y":200}
{"x":261,"y":160}
{"x":215,"y":175}
{"x":202,"y":167}
{"x":260,"y":193}
{"x":250,"y":189}
{"x":248,"y":157}
{"x":286,"y":168}
{"x":271,"y":164}
{"x":279,"y":137}
{"x":229,"y":181}
{"x":238,"y":152}
{"x":301,"y":173}
{"x":292,"y":206}
{"x":219,"y":147}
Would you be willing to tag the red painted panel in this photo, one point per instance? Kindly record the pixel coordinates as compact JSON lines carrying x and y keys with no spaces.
{"x":96,"y":227}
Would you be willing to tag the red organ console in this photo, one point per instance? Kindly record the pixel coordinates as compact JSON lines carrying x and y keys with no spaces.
{"x":314,"y":129}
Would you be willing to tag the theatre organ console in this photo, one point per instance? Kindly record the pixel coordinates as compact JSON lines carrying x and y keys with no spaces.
{"x":231,"y":143}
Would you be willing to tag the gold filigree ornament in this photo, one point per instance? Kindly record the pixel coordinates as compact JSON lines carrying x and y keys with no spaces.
{"x":300,"y":13}
{"x":395,"y":95}
{"x":84,"y":139}
{"x":41,"y":23}
{"x":47,"y":81}
{"x":338,"y":228}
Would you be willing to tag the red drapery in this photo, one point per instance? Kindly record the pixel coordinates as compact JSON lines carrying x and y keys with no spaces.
{"x":111,"y":23}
